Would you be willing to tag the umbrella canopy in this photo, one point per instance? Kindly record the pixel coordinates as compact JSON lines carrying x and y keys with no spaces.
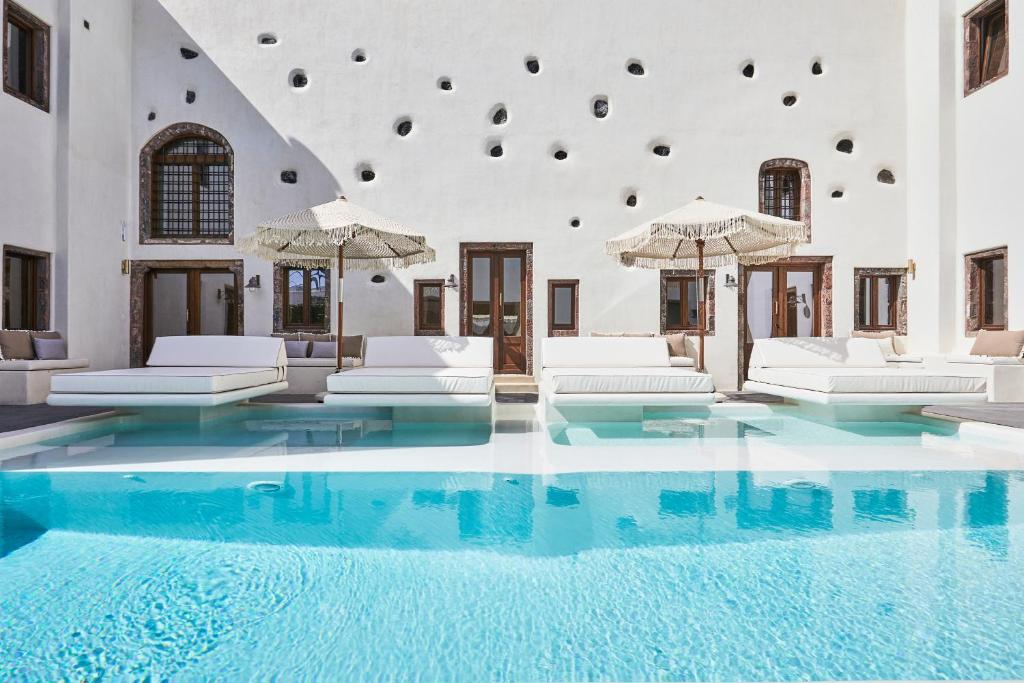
{"x":702,"y":234}
{"x":311,"y":237}
{"x":729,"y":236}
{"x":355,"y":236}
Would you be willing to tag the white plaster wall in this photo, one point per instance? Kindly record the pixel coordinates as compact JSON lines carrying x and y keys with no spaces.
{"x":28,"y":150}
{"x":439,"y":179}
{"x":989,"y":146}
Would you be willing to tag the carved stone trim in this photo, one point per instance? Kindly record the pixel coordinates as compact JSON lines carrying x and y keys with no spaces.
{"x":972,"y":287}
{"x":901,"y":295}
{"x":137,"y":303}
{"x":278,"y":323}
{"x":805,"y":186}
{"x":155,"y":144}
{"x":709,"y":273}
{"x":464,"y":248}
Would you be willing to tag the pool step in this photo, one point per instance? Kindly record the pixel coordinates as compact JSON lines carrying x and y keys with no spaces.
{"x":515,"y":389}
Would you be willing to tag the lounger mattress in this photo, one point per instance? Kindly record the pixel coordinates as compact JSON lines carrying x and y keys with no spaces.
{"x":417,"y":380}
{"x":164,"y":380}
{"x":868,"y":380}
{"x":659,"y":380}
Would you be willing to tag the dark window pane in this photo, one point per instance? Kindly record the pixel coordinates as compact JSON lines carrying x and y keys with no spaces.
{"x":993,"y":44}
{"x":19,"y":58}
{"x":691,"y":303}
{"x":430,"y":307}
{"x":673,"y":305}
{"x":884,"y":302}
{"x":192,"y":189}
{"x":563,"y":302}
{"x":993,"y":275}
{"x":317,"y":297}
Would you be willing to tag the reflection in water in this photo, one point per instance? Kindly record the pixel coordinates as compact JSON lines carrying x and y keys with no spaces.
{"x":562,"y":514}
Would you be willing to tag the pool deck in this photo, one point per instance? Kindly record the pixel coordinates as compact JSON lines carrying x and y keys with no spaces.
{"x":15,"y":418}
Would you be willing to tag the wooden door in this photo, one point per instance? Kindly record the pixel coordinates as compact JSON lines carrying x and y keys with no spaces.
{"x":781,"y":301}
{"x":189,"y":301}
{"x":498,"y":305}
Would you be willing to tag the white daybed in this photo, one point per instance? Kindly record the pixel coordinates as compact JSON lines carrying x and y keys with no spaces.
{"x":619,"y":371}
{"x":1003,"y":373}
{"x":850,"y":371}
{"x":195,"y":371}
{"x":418,"y":371}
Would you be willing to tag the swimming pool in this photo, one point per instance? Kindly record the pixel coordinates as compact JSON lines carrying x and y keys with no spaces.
{"x":471,"y":576}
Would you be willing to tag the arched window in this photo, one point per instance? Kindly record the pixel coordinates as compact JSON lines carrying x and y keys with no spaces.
{"x":784,"y":190}
{"x":187,"y":187}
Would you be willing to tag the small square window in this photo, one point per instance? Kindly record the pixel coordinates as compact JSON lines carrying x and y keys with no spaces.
{"x":429,"y":303}
{"x":682,"y":301}
{"x":878,"y":297}
{"x":986,"y":44}
{"x":26,"y":56}
{"x":563,"y":308}
{"x":26,"y":285}
{"x":987,"y":292}
{"x":305,"y":294}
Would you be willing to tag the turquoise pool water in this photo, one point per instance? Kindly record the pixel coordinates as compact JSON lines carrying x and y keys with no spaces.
{"x":455,"y":576}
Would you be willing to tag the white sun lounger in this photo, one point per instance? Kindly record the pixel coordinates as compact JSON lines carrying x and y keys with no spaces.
{"x":619,"y":371}
{"x":850,"y":371}
{"x":195,"y":371}
{"x":418,"y":372}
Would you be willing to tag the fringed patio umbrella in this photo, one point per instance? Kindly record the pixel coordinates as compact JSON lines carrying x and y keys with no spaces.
{"x":338,"y":230}
{"x":701,"y":234}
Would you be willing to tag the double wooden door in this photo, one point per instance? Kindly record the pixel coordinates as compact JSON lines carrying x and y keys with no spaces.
{"x":497,"y":305}
{"x":187,"y":301}
{"x":781,"y":301}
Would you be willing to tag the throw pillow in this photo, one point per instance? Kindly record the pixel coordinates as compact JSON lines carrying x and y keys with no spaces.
{"x":1005,"y":343}
{"x":296,"y":349}
{"x":324,"y":349}
{"x":50,"y":349}
{"x":16,"y":345}
{"x":676,"y":344}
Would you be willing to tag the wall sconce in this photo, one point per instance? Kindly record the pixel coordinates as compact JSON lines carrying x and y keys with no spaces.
{"x":126,"y":267}
{"x":730,"y":281}
{"x":451,"y":282}
{"x":912,"y":268}
{"x":253,"y":284}
{"x":220,"y":294}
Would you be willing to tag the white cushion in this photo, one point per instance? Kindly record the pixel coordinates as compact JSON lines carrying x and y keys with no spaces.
{"x":417,"y":380}
{"x":867,"y":380}
{"x":164,"y":380}
{"x":816,"y":352}
{"x":319,"y":362}
{"x":64,"y":364}
{"x":626,"y":381}
{"x":429,"y":352}
{"x":605,"y":352}
{"x":681,"y":362}
{"x":985,"y":360}
{"x":210,"y":351}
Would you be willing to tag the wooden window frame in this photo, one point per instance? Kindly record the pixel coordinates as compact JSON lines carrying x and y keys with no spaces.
{"x":707,"y":306}
{"x":793,"y":165}
{"x":148,"y":228}
{"x":872,"y":324}
{"x":974,"y":285}
{"x":418,"y":315}
{"x":563,"y":330}
{"x":307,"y":299}
{"x":38,"y":279}
{"x":197,"y":163}
{"x":39,"y":54}
{"x":975,"y":22}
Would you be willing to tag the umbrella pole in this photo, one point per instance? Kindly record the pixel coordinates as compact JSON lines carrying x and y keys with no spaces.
{"x":341,"y":302}
{"x":701,"y":304}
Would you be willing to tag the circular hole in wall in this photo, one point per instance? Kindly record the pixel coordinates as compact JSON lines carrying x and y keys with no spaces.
{"x":886,"y":177}
{"x":359,"y":55}
{"x":816,"y":67}
{"x":845,"y":145}
{"x":378,"y":279}
{"x":445,"y":83}
{"x":838,"y":193}
{"x":188,"y":53}
{"x":496,"y":150}
{"x":266,"y":39}
{"x":289,"y":177}
{"x":635,"y":67}
{"x":747,"y":69}
{"x":498,"y":115}
{"x":661,"y":150}
{"x":532,"y":65}
{"x":403,"y":126}
{"x":631,"y":199}
{"x":574,"y":222}
{"x":190,"y":96}
{"x":560,"y":154}
{"x":366,"y":173}
{"x":151,"y":116}
{"x":789,"y":99}
{"x":298,"y":79}
{"x":600,"y":106}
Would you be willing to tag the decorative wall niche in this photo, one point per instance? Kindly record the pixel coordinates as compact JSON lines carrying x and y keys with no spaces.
{"x":403,"y":126}
{"x":190,"y":96}
{"x":635,"y":67}
{"x":600,"y":106}
{"x":366,"y":173}
{"x":359,"y":56}
{"x":445,"y":83}
{"x":498,"y":115}
{"x":188,"y":53}
{"x":298,"y":79}
{"x":747,"y":69}
{"x":532,"y":64}
{"x":886,"y":177}
{"x":266,"y":39}
{"x":789,"y":99}
{"x":289,"y":177}
{"x":845,"y":145}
